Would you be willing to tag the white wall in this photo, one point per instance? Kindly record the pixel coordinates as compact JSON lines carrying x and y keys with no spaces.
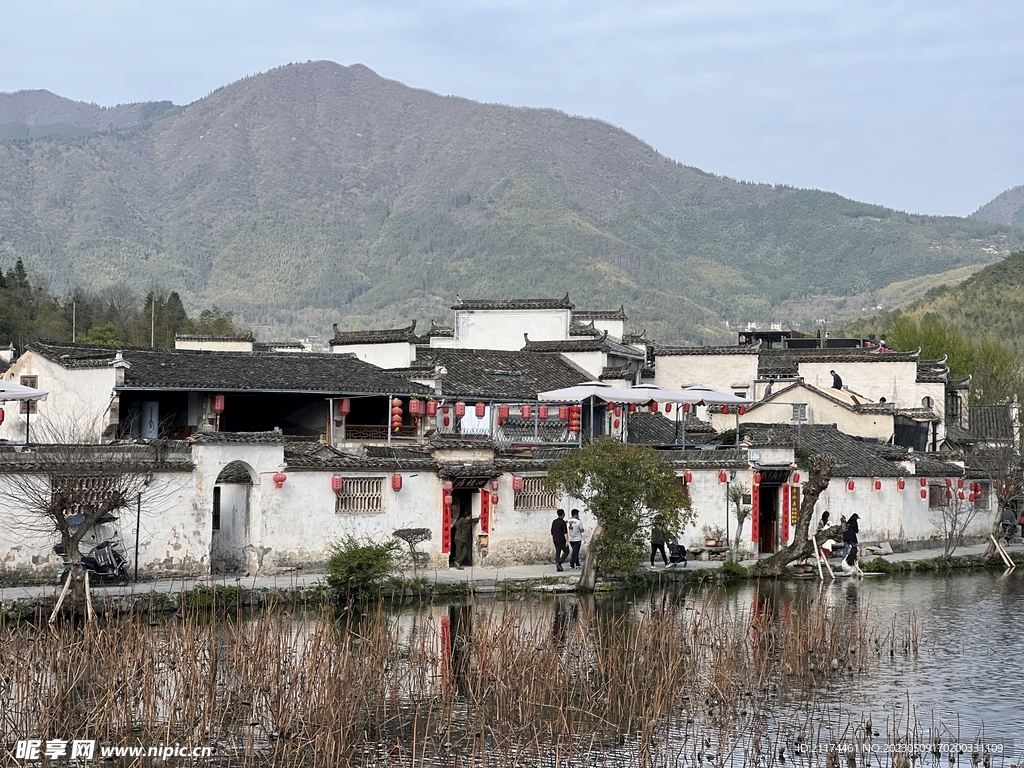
{"x":895,"y":381}
{"x":214,"y":345}
{"x":504,"y":329}
{"x":396,"y":355}
{"x":81,"y":396}
{"x":720,"y":372}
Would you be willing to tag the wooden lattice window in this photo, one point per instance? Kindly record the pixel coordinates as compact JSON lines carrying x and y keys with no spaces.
{"x":29,"y":406}
{"x":360,"y":496}
{"x":535,"y":496}
{"x":937,"y":497}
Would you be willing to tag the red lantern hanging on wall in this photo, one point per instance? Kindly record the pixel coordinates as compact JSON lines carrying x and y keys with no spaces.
{"x":615,"y":424}
{"x":542,"y":412}
{"x":725,"y":409}
{"x":924,"y":493}
{"x":481,"y":409}
{"x":924,"y":482}
{"x":448,"y":485}
{"x":343,"y":406}
{"x":460,"y":409}
{"x":575,"y":414}
{"x":218,"y":403}
{"x":722,"y":477}
{"x":688,"y":477}
{"x":741,"y":410}
{"x":563,"y":413}
{"x":632,"y":407}
{"x":878,"y":484}
{"x":757,"y":478}
{"x":279,"y":478}
{"x":337,"y":483}
{"x":668,"y":407}
{"x":525,"y":411}
{"x":901,"y":484}
{"x":960,"y":494}
{"x":517,"y":483}
{"x":949,"y":482}
{"x":618,"y":412}
{"x":686,"y":407}
{"x":796,"y":478}
{"x":611,"y":406}
{"x":2,"y":415}
{"x":431,"y":407}
{"x":396,"y":482}
{"x":502,"y":413}
{"x":949,"y":493}
{"x":654,"y":406}
{"x":959,"y":482}
{"x":850,"y":485}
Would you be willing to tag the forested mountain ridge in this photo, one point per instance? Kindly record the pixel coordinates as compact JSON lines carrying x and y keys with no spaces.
{"x":1004,"y":208}
{"x":317,"y":193}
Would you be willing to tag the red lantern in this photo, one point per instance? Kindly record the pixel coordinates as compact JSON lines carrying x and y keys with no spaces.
{"x":448,"y":486}
{"x":2,"y":415}
{"x":563,"y":412}
{"x":654,"y":406}
{"x":611,"y":406}
{"x":460,"y":409}
{"x":517,"y":483}
{"x":924,"y":482}
{"x":542,"y":412}
{"x":949,"y":482}
{"x":688,"y":477}
{"x":396,"y":402}
{"x":481,"y":409}
{"x":618,"y":412}
{"x":502,"y":412}
{"x":757,"y":478}
{"x":444,"y":409}
{"x":615,"y":424}
{"x":961,"y":495}
{"x":949,"y":493}
{"x":396,"y":482}
{"x":494,"y":498}
{"x":494,"y":485}
{"x":742,"y":410}
{"x":448,"y":499}
{"x":849,"y":485}
{"x":722,"y":477}
{"x":901,"y":483}
{"x":414,"y":407}
{"x":218,"y":403}
{"x":431,"y":407}
{"x":686,"y":407}
{"x":796,"y":478}
{"x":959,"y":482}
{"x":279,"y":478}
{"x":526,"y":411}
{"x":924,"y":493}
{"x":725,"y":409}
{"x":668,"y":407}
{"x":447,"y":421}
{"x":878,"y":484}
{"x":337,"y":483}
{"x":343,"y":406}
{"x":632,"y":407}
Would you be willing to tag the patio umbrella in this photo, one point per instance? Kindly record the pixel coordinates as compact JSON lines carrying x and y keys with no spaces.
{"x":598,"y":389}
{"x":11,"y":391}
{"x":704,"y":395}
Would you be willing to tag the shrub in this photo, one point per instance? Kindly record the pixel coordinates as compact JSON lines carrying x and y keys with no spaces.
{"x":358,"y":570}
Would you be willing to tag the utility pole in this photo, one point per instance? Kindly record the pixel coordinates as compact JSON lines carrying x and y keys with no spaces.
{"x":152,"y":323}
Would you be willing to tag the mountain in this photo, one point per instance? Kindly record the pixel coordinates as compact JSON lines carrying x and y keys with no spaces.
{"x":317,"y":193}
{"x":1006,"y":208}
{"x":32,"y":114}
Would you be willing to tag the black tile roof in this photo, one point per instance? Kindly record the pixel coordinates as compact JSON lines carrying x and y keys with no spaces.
{"x":747,"y":349}
{"x":652,"y":429}
{"x":126,"y":458}
{"x":270,"y":346}
{"x":562,"y":303}
{"x":247,"y":336}
{"x":928,"y":466}
{"x":583,"y":329}
{"x":386,"y":336}
{"x":600,"y":314}
{"x":617,"y":372}
{"x":273,"y":437}
{"x":499,"y":374}
{"x":305,"y":455}
{"x":932,"y":371}
{"x":597,"y":344}
{"x":519,"y":430}
{"x":439,"y":330}
{"x":957,"y":434}
{"x":636,"y":337}
{"x":991,"y":422}
{"x":726,"y":458}
{"x":184,"y":370}
{"x":855,"y":457}
{"x":774,"y":363}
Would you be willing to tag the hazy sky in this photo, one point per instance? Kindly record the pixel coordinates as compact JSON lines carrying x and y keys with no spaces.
{"x":918,"y":105}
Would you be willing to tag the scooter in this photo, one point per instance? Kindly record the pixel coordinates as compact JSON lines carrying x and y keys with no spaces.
{"x":105,"y":563}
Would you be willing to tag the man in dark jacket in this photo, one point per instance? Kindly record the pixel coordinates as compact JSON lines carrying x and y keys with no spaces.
{"x":837,"y":382}
{"x":850,"y":535}
{"x":560,"y":537}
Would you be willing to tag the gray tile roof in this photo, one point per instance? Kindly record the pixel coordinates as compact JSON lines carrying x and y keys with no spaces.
{"x":273,"y":437}
{"x":597,"y":344}
{"x":583,"y":329}
{"x":855,"y":457}
{"x":600,"y":314}
{"x":315,"y":455}
{"x":498,"y":374}
{"x":725,"y":458}
{"x":747,"y":349}
{"x":439,"y":330}
{"x":127,"y":458}
{"x":786,"y":362}
{"x":991,"y":422}
{"x":636,"y":337}
{"x":184,"y":370}
{"x":386,"y":336}
{"x":247,"y":336}
{"x":562,"y":303}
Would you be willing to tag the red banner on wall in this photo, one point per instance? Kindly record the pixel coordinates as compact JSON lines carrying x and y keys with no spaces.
{"x":785,"y":514}
{"x":485,"y":511}
{"x":755,"y":513}
{"x":446,"y":524}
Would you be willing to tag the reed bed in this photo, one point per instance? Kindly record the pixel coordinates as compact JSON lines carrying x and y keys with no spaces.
{"x":679,"y":681}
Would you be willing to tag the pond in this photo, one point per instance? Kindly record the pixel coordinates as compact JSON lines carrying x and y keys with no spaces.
{"x":885,"y":671}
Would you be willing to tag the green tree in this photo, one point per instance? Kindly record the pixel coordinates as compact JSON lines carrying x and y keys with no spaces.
{"x":628,"y":489}
{"x":100,"y":334}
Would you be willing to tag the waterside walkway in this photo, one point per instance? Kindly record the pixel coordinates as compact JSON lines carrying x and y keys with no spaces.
{"x":482,"y":580}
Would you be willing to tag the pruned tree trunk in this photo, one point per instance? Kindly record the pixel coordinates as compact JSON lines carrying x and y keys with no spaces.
{"x":820,"y":466}
{"x":588,"y":574}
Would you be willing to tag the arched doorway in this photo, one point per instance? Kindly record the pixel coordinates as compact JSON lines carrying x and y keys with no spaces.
{"x":230,"y":518}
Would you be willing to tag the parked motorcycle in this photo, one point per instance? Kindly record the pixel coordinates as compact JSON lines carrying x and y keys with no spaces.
{"x":105,"y":563}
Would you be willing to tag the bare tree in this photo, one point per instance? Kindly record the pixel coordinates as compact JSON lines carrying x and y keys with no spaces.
{"x":1002,"y":467}
{"x":820,"y":472}
{"x":66,"y":484}
{"x":953,"y":518}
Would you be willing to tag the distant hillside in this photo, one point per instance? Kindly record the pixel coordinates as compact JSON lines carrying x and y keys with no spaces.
{"x":1006,"y":208}
{"x":318,"y":193}
{"x":33,"y":114}
{"x":990,"y":304}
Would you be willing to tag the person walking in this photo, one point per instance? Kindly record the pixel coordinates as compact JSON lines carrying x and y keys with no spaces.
{"x":560,"y":537}
{"x":575,"y":526}
{"x":658,"y":544}
{"x":850,"y":535}
{"x":462,"y":536}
